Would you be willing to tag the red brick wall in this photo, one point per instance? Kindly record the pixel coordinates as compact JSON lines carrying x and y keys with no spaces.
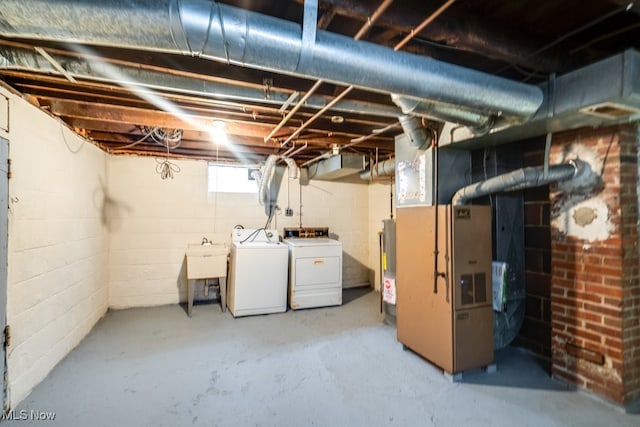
{"x":595,"y":293}
{"x":535,"y":333}
{"x":629,"y":198}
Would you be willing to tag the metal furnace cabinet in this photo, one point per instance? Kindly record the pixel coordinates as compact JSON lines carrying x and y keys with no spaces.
{"x":449,"y":323}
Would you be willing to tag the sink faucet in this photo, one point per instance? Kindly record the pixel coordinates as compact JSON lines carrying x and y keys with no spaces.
{"x":205,"y":241}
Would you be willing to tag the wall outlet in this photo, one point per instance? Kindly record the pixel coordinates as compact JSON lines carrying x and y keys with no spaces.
{"x":288,"y":212}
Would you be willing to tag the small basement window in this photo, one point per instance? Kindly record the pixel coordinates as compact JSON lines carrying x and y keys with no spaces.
{"x":231,"y":179}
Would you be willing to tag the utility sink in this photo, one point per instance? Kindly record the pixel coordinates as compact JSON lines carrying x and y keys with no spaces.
{"x":207,"y":261}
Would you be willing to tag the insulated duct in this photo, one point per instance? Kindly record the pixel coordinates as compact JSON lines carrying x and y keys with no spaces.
{"x":269,"y":178}
{"x":224,"y":33}
{"x":294,"y":170}
{"x":265,"y":181}
{"x":519,"y":179}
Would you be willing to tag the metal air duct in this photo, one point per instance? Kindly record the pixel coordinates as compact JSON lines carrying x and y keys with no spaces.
{"x":416,"y":133}
{"x":21,"y":59}
{"x":237,"y":36}
{"x":336,"y":167}
{"x":601,"y":94}
{"x":478,"y":123}
{"x":519,"y":179}
{"x":384,"y":168}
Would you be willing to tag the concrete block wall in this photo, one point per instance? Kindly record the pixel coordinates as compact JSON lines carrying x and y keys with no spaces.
{"x":57,"y":247}
{"x":595,"y":291}
{"x":344,"y":208}
{"x":379,"y":209}
{"x":152,"y":221}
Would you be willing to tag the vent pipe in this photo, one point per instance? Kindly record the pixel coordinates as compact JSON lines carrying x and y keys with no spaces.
{"x":212,"y":30}
{"x":384,"y":168}
{"x":417,"y":134}
{"x":478,"y":123}
{"x":519,"y":179}
{"x":23,"y":59}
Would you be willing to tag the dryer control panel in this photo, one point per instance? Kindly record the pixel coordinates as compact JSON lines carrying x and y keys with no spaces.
{"x":305,"y":232}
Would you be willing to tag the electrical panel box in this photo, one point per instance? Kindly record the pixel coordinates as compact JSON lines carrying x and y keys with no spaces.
{"x":443,"y":284}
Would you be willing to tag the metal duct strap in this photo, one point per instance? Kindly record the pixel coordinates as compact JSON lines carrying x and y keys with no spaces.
{"x":309,"y":25}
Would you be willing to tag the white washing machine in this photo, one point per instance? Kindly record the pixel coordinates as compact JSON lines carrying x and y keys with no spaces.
{"x":315,"y":272}
{"x":257,"y":282}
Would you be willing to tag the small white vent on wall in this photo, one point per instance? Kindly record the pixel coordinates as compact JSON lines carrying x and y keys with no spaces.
{"x":610,"y":110}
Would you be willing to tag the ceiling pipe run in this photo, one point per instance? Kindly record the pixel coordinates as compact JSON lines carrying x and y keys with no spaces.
{"x":519,"y":179}
{"x":224,"y":33}
{"x":478,"y":123}
{"x":417,"y":134}
{"x":101,"y":70}
{"x":380,"y":169}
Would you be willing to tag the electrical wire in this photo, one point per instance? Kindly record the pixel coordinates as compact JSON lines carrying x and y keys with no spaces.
{"x":133,"y":144}
{"x":438,"y":45}
{"x":164,"y":137}
{"x":166,"y":169}
{"x":167,"y":138}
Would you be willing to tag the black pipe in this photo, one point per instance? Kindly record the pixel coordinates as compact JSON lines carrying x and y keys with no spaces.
{"x":434,"y":190}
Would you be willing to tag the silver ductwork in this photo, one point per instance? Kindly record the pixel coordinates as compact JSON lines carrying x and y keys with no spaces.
{"x":216,"y":31}
{"x":416,"y":133}
{"x":336,"y":167}
{"x":519,"y":179}
{"x":384,"y":168}
{"x":601,"y":94}
{"x":478,"y":123}
{"x":95,"y":69}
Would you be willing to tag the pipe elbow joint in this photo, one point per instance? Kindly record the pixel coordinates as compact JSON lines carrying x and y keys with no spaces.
{"x":579,"y":167}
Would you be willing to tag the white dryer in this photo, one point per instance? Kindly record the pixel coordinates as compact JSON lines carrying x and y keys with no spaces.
{"x":257,"y":282}
{"x":315,"y":272}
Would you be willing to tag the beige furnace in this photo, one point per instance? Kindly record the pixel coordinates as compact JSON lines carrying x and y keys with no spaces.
{"x":448,"y":321}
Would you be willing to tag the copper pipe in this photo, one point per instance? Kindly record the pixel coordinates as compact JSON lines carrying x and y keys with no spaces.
{"x":423,"y":24}
{"x":299,"y":105}
{"x":318,"y":114}
{"x":372,"y":19}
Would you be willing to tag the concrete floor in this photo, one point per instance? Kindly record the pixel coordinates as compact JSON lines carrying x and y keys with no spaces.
{"x":327,"y":367}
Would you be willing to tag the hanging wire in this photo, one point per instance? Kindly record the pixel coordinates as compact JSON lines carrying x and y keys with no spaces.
{"x":166,"y":169}
{"x":168,"y":138}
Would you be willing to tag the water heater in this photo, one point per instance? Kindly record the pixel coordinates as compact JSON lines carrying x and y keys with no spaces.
{"x":443,"y":284}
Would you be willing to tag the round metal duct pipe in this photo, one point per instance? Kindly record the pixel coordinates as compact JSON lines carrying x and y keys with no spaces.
{"x":224,"y":33}
{"x":519,"y":179}
{"x":415,"y":107}
{"x":384,"y":168}
{"x":417,"y":134}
